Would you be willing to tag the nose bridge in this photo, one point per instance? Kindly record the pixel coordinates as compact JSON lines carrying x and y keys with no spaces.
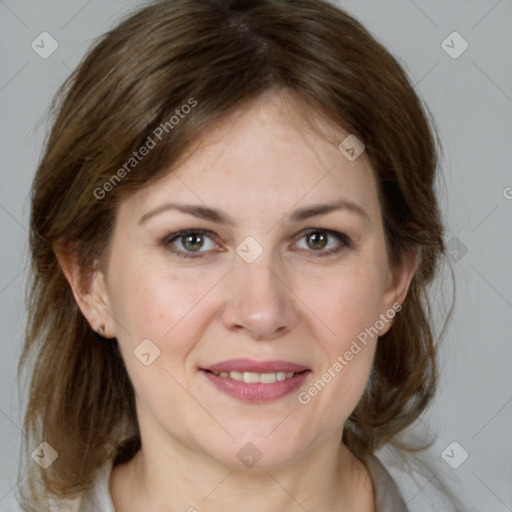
{"x":258,"y":300}
{"x":254,"y":261}
{"x":257,"y":282}
{"x":259,"y":276}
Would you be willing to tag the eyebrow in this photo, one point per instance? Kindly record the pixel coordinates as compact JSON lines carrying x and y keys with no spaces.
{"x":205,"y":213}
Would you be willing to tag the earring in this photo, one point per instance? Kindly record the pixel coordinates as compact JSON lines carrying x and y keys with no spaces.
{"x":101,"y":330}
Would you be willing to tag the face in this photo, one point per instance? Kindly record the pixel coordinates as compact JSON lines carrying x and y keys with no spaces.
{"x":243,"y":322}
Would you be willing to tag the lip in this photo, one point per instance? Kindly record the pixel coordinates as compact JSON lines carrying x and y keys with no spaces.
{"x":256,"y":392}
{"x":250,"y":365}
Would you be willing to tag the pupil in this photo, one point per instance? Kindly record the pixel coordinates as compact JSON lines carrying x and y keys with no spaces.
{"x":316,"y":238}
{"x":191,"y":245}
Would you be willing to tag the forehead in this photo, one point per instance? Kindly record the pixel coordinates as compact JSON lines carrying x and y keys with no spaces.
{"x":266,"y":156}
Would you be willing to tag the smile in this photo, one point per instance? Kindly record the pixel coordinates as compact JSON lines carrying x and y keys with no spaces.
{"x":256,"y":387}
{"x":255,"y":377}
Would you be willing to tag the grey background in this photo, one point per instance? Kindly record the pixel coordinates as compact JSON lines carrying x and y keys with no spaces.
{"x":471,"y":100}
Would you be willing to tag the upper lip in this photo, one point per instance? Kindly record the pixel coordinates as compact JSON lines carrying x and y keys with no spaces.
{"x":250,"y":365}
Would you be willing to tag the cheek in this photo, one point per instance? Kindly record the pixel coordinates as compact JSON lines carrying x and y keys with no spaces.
{"x":349,"y":306}
{"x":164,"y":306}
{"x":348,"y":303}
{"x":153,"y":299}
{"x":156,"y":305}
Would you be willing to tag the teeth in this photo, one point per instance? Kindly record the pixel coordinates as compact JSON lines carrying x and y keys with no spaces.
{"x":254,"y":377}
{"x":251,"y":377}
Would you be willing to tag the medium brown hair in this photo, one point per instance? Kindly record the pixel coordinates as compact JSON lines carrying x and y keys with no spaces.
{"x":223,"y":54}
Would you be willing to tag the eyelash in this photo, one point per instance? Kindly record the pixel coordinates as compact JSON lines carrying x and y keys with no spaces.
{"x":342,"y":237}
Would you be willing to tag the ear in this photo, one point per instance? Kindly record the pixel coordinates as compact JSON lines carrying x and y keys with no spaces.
{"x":398,"y":280}
{"x":89,"y":290}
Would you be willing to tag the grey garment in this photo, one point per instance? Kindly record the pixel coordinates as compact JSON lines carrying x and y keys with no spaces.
{"x":99,"y":498}
{"x":392,"y":487}
{"x":387,"y":495}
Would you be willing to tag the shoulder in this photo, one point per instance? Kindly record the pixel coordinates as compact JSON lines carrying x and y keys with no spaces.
{"x":420,"y":480}
{"x":98,"y":498}
{"x":411,"y":482}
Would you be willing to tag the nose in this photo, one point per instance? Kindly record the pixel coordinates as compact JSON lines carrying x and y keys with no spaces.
{"x":258,"y":301}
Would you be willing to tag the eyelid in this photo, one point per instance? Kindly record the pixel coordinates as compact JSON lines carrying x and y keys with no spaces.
{"x":332,"y":232}
{"x":345,"y":241}
{"x":177,"y":235}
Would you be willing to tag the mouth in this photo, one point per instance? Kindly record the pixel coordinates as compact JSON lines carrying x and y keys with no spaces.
{"x":256,"y":381}
{"x":255,"y":377}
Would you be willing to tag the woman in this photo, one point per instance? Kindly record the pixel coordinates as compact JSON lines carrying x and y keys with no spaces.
{"x":232,"y":233}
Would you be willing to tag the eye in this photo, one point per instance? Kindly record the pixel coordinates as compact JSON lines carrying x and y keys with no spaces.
{"x":317,"y":240}
{"x":189,"y":241}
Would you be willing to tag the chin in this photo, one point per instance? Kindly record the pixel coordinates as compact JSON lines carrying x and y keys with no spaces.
{"x":259,"y":452}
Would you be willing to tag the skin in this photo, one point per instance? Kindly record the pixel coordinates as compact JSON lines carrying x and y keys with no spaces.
{"x":290,"y":303}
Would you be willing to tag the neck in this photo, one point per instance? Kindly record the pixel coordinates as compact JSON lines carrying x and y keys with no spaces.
{"x":328,"y":478}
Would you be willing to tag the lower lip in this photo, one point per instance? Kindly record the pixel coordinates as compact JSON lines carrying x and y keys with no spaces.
{"x":257,"y":392}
